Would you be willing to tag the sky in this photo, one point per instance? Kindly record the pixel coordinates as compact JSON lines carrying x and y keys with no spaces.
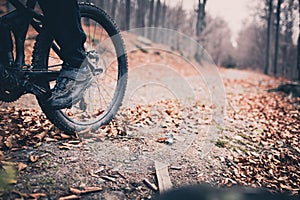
{"x":233,"y":11}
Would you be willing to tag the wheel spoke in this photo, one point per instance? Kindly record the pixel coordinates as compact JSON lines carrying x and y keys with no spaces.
{"x":102,"y":96}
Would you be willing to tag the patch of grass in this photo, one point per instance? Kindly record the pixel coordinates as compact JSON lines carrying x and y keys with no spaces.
{"x":8,"y":176}
{"x":221,"y":143}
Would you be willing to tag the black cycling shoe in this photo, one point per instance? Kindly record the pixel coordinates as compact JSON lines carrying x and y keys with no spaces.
{"x":70,"y":87}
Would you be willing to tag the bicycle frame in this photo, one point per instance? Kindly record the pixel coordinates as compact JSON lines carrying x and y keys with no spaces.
{"x":19,"y":21}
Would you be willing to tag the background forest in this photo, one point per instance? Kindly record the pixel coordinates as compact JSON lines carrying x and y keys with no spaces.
{"x":268,"y":41}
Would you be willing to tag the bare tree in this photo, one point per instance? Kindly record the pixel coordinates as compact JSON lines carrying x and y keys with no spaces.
{"x":289,"y":55}
{"x":278,"y":12}
{"x":163,"y":16}
{"x":269,"y":38}
{"x":128,"y":9}
{"x":107,"y":5}
{"x":140,"y":15}
{"x":150,"y":19}
{"x":298,"y":56}
{"x":200,"y":26}
{"x":218,"y":43}
{"x":114,"y":8}
{"x":251,"y":46}
{"x":101,"y":3}
{"x":157,"y":13}
{"x":151,"y":13}
{"x":201,"y":12}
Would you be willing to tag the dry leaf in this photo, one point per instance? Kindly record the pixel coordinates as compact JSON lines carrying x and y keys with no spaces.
{"x":50,"y":139}
{"x":21,"y":166}
{"x":33,"y":158}
{"x":162,"y":140}
{"x":64,"y":147}
{"x":75,"y":191}
{"x":40,"y":136}
{"x":8,"y":141}
{"x":37,"y":195}
{"x":64,"y":136}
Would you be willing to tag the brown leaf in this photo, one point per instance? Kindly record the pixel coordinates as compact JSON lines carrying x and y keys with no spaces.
{"x":33,"y":158}
{"x":8,"y":141}
{"x":75,"y":191}
{"x":20,"y":193}
{"x":50,"y":139}
{"x":21,"y":166}
{"x":64,"y":136}
{"x":64,"y":147}
{"x":37,"y":195}
{"x":39,"y":137}
{"x":162,"y":140}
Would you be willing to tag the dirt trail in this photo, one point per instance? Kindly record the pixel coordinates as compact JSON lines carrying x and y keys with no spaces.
{"x":200,"y":132}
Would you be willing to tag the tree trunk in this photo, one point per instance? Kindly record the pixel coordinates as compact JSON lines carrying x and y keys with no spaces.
{"x":101,"y":3}
{"x":128,"y":11}
{"x":278,"y":11}
{"x":200,"y":26}
{"x":157,"y":19}
{"x":157,"y":13}
{"x":150,"y":22}
{"x":163,"y":16}
{"x":107,"y":5}
{"x":151,"y":17}
{"x":140,"y":15}
{"x":298,"y":56}
{"x":114,"y":8}
{"x":269,"y":38}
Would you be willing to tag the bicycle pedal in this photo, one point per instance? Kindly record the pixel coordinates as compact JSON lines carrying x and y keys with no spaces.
{"x":97,"y":72}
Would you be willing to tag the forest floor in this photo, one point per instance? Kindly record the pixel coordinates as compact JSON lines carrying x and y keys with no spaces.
{"x":254,"y":142}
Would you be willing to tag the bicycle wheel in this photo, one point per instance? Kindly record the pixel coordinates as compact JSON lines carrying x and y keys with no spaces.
{"x":105,"y":49}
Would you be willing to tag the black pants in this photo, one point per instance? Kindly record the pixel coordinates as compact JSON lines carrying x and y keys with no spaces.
{"x":62,"y":20}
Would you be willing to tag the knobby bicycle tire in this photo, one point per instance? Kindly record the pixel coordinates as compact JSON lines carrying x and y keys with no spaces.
{"x":40,"y":62}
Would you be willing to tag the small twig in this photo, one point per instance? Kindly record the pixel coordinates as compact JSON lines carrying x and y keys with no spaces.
{"x":150,"y":185}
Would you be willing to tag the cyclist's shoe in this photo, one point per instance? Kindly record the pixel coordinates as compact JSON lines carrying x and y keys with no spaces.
{"x":70,"y":87}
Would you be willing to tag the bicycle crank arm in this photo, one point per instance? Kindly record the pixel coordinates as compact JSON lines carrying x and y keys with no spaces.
{"x":37,"y":90}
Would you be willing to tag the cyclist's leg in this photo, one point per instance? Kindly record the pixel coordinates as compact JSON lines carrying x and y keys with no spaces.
{"x":5,"y":44}
{"x":63,"y":21}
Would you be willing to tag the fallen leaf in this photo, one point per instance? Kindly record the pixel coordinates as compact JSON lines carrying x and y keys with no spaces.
{"x":8,"y":141}
{"x":162,"y":140}
{"x":50,"y":139}
{"x":40,"y":137}
{"x":64,"y":147}
{"x":64,"y":136}
{"x":33,"y":158}
{"x":21,"y":166}
{"x":75,"y":191}
{"x":37,"y":195}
